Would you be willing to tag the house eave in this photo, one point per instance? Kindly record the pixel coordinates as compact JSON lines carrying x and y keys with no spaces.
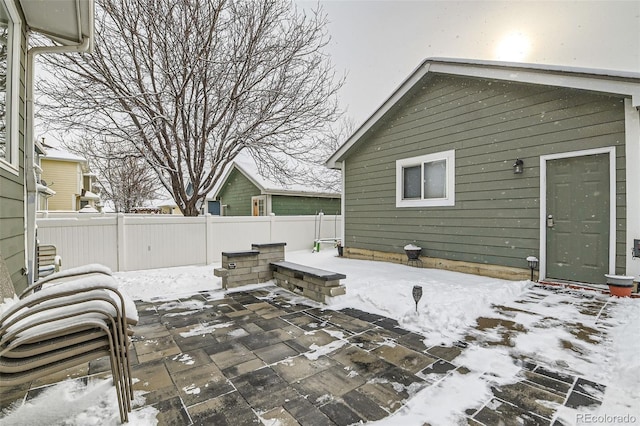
{"x":301,"y":193}
{"x":66,"y":22}
{"x":605,"y":81}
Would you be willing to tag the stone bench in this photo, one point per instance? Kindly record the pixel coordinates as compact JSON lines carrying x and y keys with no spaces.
{"x":250,"y":266}
{"x":316,"y":284}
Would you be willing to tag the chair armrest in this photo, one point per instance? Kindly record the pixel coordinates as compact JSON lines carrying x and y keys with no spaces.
{"x":72,"y":290}
{"x":67,"y":274}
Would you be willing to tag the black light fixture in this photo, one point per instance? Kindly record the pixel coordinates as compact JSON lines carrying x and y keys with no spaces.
{"x":417,"y":294}
{"x":533,"y":264}
{"x":518,"y":166}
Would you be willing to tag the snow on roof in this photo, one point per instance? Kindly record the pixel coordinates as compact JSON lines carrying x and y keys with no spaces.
{"x":319,"y":188}
{"x":88,"y":209}
{"x":58,"y":154}
{"x":165,"y":202}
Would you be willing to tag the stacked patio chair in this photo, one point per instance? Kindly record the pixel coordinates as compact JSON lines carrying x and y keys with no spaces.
{"x":67,"y":319}
{"x":48,"y":261}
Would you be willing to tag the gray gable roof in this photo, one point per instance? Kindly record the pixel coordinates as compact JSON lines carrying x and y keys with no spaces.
{"x":604,"y":81}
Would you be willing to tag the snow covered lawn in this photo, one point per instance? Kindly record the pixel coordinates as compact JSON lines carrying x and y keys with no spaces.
{"x":552,"y":328}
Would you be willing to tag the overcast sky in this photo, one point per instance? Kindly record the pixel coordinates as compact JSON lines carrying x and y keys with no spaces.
{"x":379,"y":43}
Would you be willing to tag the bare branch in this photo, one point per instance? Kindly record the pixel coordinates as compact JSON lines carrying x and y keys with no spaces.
{"x":188,"y":85}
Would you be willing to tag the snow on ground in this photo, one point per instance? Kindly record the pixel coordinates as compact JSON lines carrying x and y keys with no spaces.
{"x":75,"y":403}
{"x":447,"y":311}
{"x":450,"y":301}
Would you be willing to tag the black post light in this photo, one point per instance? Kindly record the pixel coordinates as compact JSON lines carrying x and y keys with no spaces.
{"x":533,"y":264}
{"x":417,"y":294}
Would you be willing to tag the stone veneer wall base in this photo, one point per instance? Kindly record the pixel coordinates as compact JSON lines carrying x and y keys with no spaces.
{"x":494,"y":271}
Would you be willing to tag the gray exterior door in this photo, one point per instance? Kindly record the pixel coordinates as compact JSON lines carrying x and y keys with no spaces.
{"x":578,"y":218}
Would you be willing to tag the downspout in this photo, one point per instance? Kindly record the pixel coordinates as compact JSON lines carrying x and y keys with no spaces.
{"x":29,"y":146}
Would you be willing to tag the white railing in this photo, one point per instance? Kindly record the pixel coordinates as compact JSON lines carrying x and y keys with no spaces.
{"x":132,"y":242}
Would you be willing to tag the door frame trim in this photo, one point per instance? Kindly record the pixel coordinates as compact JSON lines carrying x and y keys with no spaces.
{"x":611,"y":151}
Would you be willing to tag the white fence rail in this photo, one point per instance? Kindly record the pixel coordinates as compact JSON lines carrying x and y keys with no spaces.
{"x":133,"y":242}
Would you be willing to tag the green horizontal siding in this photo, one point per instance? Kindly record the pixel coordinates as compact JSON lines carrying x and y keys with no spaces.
{"x":495,"y":219}
{"x":287,"y":205}
{"x":12,"y":245}
{"x":236,"y":194}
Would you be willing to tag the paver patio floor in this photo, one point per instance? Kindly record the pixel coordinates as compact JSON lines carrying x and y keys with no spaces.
{"x":207,"y":360}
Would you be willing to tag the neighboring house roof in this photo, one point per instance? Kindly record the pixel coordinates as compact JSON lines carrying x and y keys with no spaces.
{"x":58,"y":154}
{"x":88,"y":209}
{"x":88,"y":195}
{"x":604,"y":81}
{"x":169,"y":202}
{"x":43,"y":189}
{"x":247,"y":166}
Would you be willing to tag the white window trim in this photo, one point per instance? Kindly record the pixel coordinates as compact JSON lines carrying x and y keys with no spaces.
{"x":13,"y":77}
{"x":259,"y":198}
{"x":611,"y":151}
{"x":450,"y":161}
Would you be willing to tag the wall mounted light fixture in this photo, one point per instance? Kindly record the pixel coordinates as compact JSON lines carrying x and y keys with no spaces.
{"x":518,"y":166}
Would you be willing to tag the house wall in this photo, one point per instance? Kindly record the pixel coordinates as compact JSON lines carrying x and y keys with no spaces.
{"x":65,"y":178}
{"x":495,"y":219}
{"x":284,"y":205}
{"x":12,"y":242}
{"x":12,"y":218}
{"x":170,"y":210}
{"x":236,"y":194}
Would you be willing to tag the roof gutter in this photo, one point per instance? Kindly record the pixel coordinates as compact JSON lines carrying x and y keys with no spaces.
{"x":29,"y":148}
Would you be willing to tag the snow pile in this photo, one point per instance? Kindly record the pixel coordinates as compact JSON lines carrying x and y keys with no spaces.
{"x":74,"y":403}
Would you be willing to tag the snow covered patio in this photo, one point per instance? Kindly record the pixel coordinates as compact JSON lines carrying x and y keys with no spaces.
{"x":478,"y":351}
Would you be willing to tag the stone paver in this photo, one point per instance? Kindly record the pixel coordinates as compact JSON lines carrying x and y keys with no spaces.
{"x":237,"y":358}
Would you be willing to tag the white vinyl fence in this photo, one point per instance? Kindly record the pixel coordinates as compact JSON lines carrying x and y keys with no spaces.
{"x":133,"y":242}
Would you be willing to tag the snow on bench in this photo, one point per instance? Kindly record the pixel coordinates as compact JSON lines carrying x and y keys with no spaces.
{"x":316,"y":284}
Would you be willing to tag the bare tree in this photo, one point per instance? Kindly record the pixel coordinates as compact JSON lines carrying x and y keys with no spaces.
{"x":125,"y":178}
{"x":192,"y":83}
{"x":307,"y":172}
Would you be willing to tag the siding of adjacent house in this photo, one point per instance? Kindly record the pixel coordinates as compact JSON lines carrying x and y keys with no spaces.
{"x":12,"y":200}
{"x":64,"y":177}
{"x":495,"y":219}
{"x":283,"y":205}
{"x":238,"y":190}
{"x":12,"y":219}
{"x":236,"y":194}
